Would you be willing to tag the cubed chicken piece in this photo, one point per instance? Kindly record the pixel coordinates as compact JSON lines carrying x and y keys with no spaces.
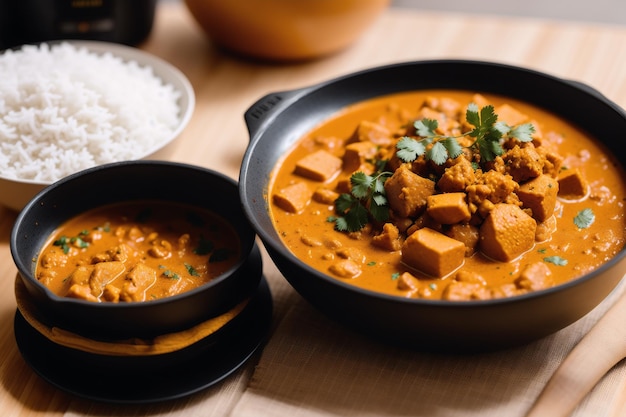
{"x":510,"y":115}
{"x":116,"y":253}
{"x":523,"y":163}
{"x":572,"y":185}
{"x":407,"y":282}
{"x":319,"y":166}
{"x":137,"y":281}
{"x":345,"y":268}
{"x":539,"y":195}
{"x":467,"y":286}
{"x":535,"y":277}
{"x":104,"y":273}
{"x":388,"y":239}
{"x":375,"y":133}
{"x":325,"y":196}
{"x":53,"y":259}
{"x":81,"y":292}
{"x":448,"y":208}
{"x":466,"y":233}
{"x":407,"y":192}
{"x":507,"y":233}
{"x":432,"y":252}
{"x":293,"y":198}
{"x":357,"y":153}
{"x":465,"y":291}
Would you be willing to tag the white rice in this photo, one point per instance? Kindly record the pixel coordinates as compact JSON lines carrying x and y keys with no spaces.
{"x":64,"y":109}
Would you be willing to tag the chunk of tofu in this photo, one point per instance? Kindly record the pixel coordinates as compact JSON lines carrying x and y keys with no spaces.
{"x":432,"y":252}
{"x":407,"y":192}
{"x":535,"y":277}
{"x":572,"y":184}
{"x":539,"y":195}
{"x":510,"y":115}
{"x":319,"y":166}
{"x":293,"y":198}
{"x":368,"y":131}
{"x":357,"y":153}
{"x":448,"y":208}
{"x":325,"y":196}
{"x":507,"y":232}
{"x":466,"y":233}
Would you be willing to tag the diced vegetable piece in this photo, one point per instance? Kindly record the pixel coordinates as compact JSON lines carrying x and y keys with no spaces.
{"x":319,"y":166}
{"x":507,"y":232}
{"x":293,"y":198}
{"x":448,"y":208}
{"x":357,"y":153}
{"x":539,"y":195}
{"x":407,"y":192}
{"x":432,"y":252}
{"x":572,"y":184}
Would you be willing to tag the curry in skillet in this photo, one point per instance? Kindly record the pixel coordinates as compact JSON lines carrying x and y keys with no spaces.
{"x":449,"y":195}
{"x":137,"y":251}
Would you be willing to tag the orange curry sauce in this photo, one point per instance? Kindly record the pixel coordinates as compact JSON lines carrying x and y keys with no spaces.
{"x":561,"y":249}
{"x":137,"y":251}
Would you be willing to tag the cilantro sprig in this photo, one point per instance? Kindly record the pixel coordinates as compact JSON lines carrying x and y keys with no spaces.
{"x":488,"y":135}
{"x":366,"y":198}
{"x":584,"y":218}
{"x":65,"y":242}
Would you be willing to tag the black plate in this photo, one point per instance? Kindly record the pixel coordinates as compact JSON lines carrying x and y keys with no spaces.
{"x":229,"y":353}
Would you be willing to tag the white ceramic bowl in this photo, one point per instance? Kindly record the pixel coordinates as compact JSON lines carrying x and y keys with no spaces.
{"x":15,"y":193}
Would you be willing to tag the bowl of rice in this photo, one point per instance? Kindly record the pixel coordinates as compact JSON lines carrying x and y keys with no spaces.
{"x":71,"y":105}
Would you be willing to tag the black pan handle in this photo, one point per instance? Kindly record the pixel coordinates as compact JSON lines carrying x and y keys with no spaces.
{"x":268,"y":106}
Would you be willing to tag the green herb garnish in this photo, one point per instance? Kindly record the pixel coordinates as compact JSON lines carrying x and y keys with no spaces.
{"x":556,"y":260}
{"x":367,"y":197}
{"x":170,"y":274}
{"x":65,"y":242}
{"x":191,"y":270}
{"x":584,"y":218}
{"x":488,"y":134}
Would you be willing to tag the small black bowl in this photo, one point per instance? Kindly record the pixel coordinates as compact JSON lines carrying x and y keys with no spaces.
{"x":278,"y":120}
{"x":126,"y":181}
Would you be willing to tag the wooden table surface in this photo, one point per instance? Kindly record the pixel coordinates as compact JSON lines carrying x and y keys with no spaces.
{"x":216,"y":138}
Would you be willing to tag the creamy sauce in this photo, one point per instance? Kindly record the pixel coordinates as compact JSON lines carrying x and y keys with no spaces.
{"x":568,"y":251}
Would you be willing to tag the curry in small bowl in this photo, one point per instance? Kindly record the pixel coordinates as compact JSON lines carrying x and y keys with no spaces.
{"x":136,"y":249}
